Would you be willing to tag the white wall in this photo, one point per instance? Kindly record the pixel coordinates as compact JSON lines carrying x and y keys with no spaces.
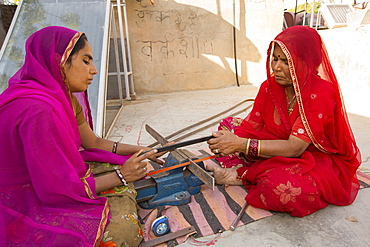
{"x":188,"y":44}
{"x":349,"y":52}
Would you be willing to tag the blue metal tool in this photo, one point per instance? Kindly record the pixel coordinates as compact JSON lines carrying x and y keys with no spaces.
{"x":173,"y":187}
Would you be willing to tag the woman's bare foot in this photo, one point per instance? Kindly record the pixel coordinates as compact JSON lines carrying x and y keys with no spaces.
{"x":224,"y":175}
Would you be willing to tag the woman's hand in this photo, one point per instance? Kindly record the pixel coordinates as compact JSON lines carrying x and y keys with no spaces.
{"x":226,"y":143}
{"x":155,"y":156}
{"x":135,"y":168}
{"x":224,"y":175}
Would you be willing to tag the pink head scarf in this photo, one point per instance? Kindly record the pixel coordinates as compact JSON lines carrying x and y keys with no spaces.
{"x":47,"y":192}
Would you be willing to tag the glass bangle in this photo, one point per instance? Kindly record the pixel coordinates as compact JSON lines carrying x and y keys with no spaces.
{"x":119,"y":174}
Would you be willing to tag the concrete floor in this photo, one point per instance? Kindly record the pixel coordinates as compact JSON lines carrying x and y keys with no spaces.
{"x":167,"y":113}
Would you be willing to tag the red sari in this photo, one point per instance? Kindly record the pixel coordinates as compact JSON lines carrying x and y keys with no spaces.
{"x":326,"y":172}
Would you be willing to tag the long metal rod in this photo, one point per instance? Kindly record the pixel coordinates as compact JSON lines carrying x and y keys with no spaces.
{"x":312,"y":13}
{"x":116,"y":53}
{"x":10,"y":29}
{"x":123,"y":49}
{"x":114,"y":121}
{"x":180,"y":144}
{"x":129,"y":75}
{"x":233,"y":225}
{"x":234,"y":40}
{"x":318,"y":19}
{"x":102,"y":96}
{"x":209,"y":125}
{"x":305,"y":14}
{"x":169,"y":236}
{"x":203,"y":121}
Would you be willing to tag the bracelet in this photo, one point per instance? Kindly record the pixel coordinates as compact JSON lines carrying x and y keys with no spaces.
{"x":114,"y":149}
{"x":253,"y":149}
{"x":119,"y":174}
{"x":247,"y":146}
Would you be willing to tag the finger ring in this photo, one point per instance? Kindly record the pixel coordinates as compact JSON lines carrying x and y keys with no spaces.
{"x":216,"y":151}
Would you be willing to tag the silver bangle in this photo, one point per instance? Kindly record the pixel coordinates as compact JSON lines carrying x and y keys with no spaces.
{"x":119,"y":174}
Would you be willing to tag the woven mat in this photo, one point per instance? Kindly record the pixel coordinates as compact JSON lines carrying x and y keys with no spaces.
{"x":364,"y":179}
{"x":212,"y":212}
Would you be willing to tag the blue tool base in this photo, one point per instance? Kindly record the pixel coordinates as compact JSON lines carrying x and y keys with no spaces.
{"x":174,"y":188}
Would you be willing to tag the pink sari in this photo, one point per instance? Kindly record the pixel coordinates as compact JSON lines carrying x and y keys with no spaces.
{"x":47,"y":192}
{"x":326,"y":172}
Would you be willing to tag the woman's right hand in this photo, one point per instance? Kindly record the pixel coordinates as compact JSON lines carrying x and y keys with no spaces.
{"x":226,"y":143}
{"x":135,"y":168}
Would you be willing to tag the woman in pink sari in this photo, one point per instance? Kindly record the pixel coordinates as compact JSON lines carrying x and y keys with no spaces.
{"x":295,"y":152}
{"x":48,"y":194}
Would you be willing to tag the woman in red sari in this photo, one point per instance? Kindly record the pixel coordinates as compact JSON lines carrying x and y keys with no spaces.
{"x":295,"y":152}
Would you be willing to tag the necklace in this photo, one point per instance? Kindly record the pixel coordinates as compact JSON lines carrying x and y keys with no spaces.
{"x":291,"y":104}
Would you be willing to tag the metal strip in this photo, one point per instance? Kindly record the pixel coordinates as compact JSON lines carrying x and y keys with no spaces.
{"x":205,"y":177}
{"x":10,"y":29}
{"x":204,"y":121}
{"x":238,"y":217}
{"x":176,"y":166}
{"x":102,"y":95}
{"x":161,"y":140}
{"x":193,"y":167}
{"x":169,"y":236}
{"x":180,"y":144}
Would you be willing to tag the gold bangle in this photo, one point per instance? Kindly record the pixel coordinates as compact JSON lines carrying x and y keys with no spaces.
{"x":247,"y":146}
{"x":259,"y":149}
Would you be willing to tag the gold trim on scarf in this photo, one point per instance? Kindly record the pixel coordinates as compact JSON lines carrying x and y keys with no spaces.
{"x":69,"y":48}
{"x":87,"y":187}
{"x":65,"y":57}
{"x":103,"y":223}
{"x":105,"y":212}
{"x":299,"y":98}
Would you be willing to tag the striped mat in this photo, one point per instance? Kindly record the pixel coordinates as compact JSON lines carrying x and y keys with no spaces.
{"x":211,"y":212}
{"x":364,"y":179}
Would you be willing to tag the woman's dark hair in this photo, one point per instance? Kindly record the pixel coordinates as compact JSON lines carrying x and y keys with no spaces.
{"x":78,"y":46}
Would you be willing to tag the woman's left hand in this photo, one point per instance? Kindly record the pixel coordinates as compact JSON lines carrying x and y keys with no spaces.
{"x":155,"y":156}
{"x":224,"y":175}
{"x":226,"y":143}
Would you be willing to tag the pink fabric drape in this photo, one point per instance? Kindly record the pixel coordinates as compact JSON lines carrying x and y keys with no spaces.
{"x":47,"y":193}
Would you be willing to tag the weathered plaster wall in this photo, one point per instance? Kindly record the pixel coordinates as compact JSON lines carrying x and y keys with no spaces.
{"x":188,"y":44}
{"x":349,"y":52}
